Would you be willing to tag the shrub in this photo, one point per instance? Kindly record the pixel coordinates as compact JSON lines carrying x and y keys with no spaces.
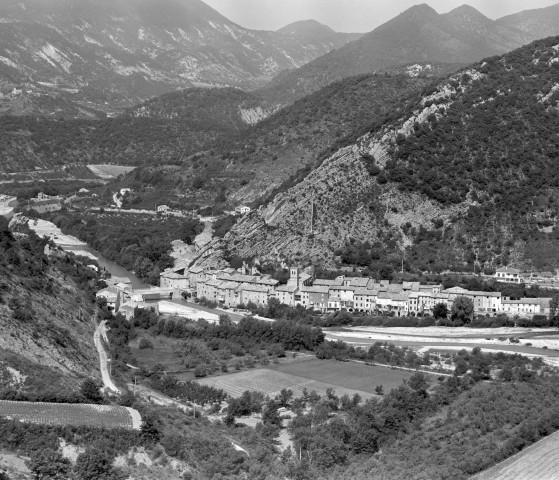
{"x":145,"y":343}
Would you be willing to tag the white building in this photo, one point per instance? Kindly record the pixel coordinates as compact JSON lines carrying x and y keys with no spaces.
{"x":507,"y":274}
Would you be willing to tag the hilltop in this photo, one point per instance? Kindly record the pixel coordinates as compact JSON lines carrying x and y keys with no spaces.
{"x":442,"y":184}
{"x":418,"y":37}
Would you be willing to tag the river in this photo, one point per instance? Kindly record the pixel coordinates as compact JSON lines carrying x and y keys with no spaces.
{"x":113,"y":268}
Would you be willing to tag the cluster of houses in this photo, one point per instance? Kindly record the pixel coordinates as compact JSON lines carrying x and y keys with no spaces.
{"x":233,"y":288}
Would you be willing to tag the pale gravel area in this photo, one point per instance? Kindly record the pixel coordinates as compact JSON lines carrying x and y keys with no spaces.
{"x":452,"y":331}
{"x":416,"y":339}
{"x":84,"y":253}
{"x":48,"y":229}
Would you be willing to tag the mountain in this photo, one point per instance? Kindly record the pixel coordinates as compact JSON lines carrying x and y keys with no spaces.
{"x":464,"y":176}
{"x":105,"y":55}
{"x":534,"y":24}
{"x":312,"y":31}
{"x":418,"y":36}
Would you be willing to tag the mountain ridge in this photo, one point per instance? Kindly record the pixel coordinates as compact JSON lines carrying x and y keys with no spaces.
{"x":418,"y":35}
{"x":111,"y":56}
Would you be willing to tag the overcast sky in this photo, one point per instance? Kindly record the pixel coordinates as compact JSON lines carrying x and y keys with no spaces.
{"x":350,"y":15}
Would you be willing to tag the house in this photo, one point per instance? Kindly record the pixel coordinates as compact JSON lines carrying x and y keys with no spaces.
{"x":526,"y":306}
{"x":507,"y":274}
{"x":242,"y":210}
{"x":257,"y":294}
{"x":393,"y":302}
{"x":111,"y":296}
{"x":163,"y":209}
{"x":315,"y":297}
{"x":365,"y":299}
{"x":45,"y":203}
{"x":171,"y":279}
{"x":286,"y":294}
{"x":484,"y":302}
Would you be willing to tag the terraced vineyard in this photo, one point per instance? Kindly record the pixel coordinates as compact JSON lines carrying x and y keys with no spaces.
{"x":270,"y":383}
{"x":538,"y":462}
{"x":102,"y":416}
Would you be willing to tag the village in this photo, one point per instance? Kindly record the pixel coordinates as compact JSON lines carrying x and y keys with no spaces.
{"x":231,"y":288}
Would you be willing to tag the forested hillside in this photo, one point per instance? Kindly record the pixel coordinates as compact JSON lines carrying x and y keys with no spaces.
{"x":166,"y":130}
{"x":47,"y":306}
{"x":465,"y":177}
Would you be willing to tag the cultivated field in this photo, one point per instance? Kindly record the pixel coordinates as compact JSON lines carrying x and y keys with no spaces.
{"x":538,"y":462}
{"x":271,"y":383}
{"x":110,"y":171}
{"x":102,"y":416}
{"x":348,"y":375}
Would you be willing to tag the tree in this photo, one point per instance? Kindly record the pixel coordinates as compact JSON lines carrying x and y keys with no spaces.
{"x":284,"y":397}
{"x":418,"y":382}
{"x":379,"y":390}
{"x":440,"y":310}
{"x":554,"y":309}
{"x":270,"y":414}
{"x":462,"y":310}
{"x":95,"y":464}
{"x":48,"y":464}
{"x":90,"y":390}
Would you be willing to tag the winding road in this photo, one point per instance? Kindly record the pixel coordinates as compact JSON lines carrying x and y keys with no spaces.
{"x":101,"y":333}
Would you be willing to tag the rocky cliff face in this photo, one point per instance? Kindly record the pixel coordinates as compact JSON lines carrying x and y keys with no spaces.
{"x":441,"y":180}
{"x":124,"y":51}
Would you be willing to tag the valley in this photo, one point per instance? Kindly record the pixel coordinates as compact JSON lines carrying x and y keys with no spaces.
{"x":289,"y":254}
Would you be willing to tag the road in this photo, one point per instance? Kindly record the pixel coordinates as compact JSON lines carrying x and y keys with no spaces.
{"x":101,"y":332}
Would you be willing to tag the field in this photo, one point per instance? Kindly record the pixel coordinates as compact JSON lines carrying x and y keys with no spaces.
{"x":102,"y":416}
{"x":271,"y":383}
{"x":165,"y":351}
{"x":110,"y":171}
{"x":350,"y":375}
{"x":312,"y":374}
{"x":538,"y":462}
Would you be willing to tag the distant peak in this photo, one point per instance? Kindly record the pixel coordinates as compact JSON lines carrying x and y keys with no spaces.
{"x":306,"y":27}
{"x":466,"y":10}
{"x":422,"y":9}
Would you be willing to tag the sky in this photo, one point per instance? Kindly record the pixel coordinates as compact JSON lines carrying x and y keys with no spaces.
{"x":350,"y":15}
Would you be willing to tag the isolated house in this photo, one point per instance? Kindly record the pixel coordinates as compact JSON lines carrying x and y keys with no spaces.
{"x":507,"y":274}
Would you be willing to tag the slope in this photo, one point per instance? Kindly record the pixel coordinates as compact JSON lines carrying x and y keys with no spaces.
{"x":283,"y":147}
{"x":106,"y":55}
{"x":417,"y":36}
{"x":464,"y":178}
{"x":534,"y":24}
{"x":46,"y":311}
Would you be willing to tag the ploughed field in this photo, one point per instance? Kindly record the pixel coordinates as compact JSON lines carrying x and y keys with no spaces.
{"x":101,"y":416}
{"x":312,"y":374}
{"x":539,"y":461}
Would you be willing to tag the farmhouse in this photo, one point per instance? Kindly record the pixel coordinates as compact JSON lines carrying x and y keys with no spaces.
{"x":507,"y":274}
{"x":242,"y":210}
{"x":163,"y":209}
{"x":45,"y":203}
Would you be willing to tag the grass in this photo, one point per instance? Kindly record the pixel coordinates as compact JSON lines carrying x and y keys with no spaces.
{"x":312,"y":374}
{"x":165,"y":351}
{"x":350,"y":375}
{"x":540,"y":461}
{"x":271,"y":383}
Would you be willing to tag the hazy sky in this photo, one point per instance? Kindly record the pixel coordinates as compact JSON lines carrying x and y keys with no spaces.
{"x":350,"y":15}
